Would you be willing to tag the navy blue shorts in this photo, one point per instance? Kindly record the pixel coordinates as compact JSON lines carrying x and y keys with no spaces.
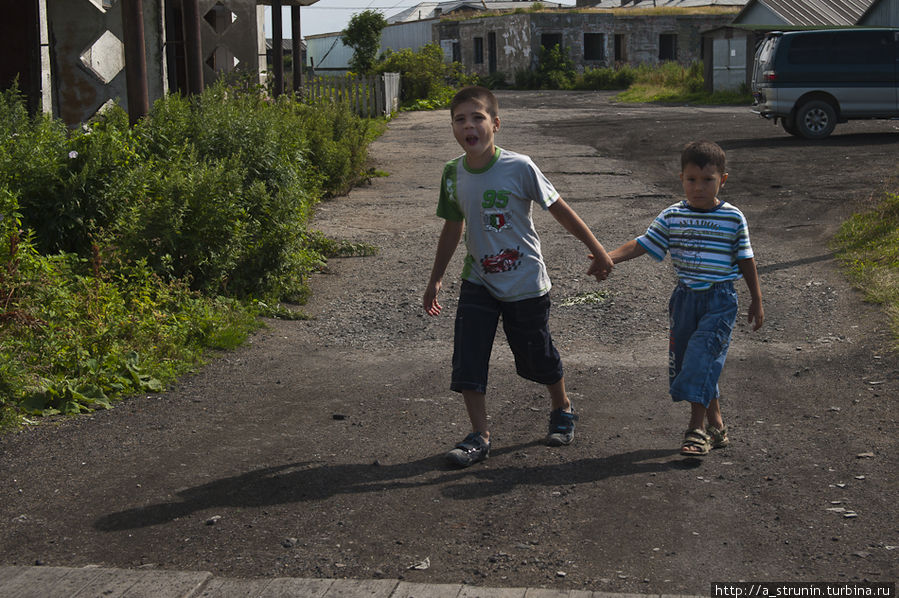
{"x":701,"y":326}
{"x":526,"y":324}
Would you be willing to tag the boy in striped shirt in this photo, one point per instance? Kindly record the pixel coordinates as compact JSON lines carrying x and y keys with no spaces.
{"x":708,"y":240}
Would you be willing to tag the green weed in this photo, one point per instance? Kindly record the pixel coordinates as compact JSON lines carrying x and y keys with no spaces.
{"x":868,"y":247}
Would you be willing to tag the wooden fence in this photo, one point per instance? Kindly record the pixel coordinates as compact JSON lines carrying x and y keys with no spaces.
{"x":371,"y":96}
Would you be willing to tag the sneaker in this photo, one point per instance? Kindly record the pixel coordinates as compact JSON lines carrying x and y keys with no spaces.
{"x":561,"y":427}
{"x":471,"y":450}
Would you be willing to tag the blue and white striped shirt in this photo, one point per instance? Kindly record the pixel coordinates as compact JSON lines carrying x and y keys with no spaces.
{"x":705,"y":245}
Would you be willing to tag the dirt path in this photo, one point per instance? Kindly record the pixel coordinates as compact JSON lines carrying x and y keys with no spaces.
{"x":317,"y":449}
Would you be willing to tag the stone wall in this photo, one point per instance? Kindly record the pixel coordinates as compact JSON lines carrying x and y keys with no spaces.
{"x":593,"y":39}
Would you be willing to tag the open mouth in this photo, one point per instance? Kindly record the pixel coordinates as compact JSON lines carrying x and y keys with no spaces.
{"x":471,"y":140}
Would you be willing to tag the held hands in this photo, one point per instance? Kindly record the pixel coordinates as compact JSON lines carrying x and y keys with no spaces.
{"x":601,"y":266}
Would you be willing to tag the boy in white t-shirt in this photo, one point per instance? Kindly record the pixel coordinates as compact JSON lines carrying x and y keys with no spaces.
{"x":488,"y":193}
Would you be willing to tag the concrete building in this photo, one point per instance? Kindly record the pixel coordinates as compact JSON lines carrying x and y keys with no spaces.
{"x":507,"y":36}
{"x":593,"y":39}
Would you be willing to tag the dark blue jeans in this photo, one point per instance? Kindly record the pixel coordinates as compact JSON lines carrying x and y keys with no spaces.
{"x":526,"y":324}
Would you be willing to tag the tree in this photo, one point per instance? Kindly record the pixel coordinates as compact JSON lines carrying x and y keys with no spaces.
{"x":363,"y":35}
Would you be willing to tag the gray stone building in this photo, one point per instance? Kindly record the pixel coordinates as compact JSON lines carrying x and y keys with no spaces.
{"x":512,"y":42}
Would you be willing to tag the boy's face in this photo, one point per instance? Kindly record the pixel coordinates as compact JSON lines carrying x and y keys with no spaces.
{"x":701,"y":185}
{"x":474,"y":129}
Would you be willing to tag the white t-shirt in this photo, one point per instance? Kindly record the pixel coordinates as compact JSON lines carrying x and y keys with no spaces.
{"x":495,"y":203}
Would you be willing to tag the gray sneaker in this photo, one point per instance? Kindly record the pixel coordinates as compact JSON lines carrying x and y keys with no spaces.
{"x":471,"y":450}
{"x":561,"y":427}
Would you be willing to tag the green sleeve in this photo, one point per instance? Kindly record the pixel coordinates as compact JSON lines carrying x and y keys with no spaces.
{"x":448,"y":206}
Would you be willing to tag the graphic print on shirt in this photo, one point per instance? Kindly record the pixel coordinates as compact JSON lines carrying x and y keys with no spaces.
{"x":691,"y":251}
{"x":495,"y":221}
{"x":505,"y":260}
{"x":451,"y":184}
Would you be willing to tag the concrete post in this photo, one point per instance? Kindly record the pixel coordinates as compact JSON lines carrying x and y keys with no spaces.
{"x":277,"y":49}
{"x":193,"y":46}
{"x":297,"y":48}
{"x":135,"y":59}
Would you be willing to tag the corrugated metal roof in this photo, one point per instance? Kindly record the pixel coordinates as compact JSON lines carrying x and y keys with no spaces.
{"x":607,"y":4}
{"x":429,"y":10}
{"x":286,"y":44}
{"x":819,"y":12}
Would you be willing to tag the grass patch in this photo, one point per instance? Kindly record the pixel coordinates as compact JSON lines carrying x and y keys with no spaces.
{"x":867,"y":245}
{"x":674,"y":83}
{"x":664,"y":94}
{"x":591,"y":298}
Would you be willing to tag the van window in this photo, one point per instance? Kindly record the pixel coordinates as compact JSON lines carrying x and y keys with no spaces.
{"x":847,"y":47}
{"x":808,"y":49}
{"x":862,"y":47}
{"x":766,"y":50}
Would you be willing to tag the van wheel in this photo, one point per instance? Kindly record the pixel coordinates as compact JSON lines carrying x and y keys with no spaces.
{"x":789,"y":126}
{"x":816,"y":119}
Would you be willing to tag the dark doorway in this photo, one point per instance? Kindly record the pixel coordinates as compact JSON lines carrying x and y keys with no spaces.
{"x":20,"y":47}
{"x":491,"y":52}
{"x":668,"y":46}
{"x":620,"y":48}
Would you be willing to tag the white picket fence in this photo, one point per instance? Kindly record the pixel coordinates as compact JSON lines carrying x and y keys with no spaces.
{"x":370,"y":96}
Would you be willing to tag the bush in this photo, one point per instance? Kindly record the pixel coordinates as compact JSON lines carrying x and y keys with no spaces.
{"x":555,"y":70}
{"x":423,"y":73}
{"x":41,"y":168}
{"x":117,"y":244}
{"x":606,"y":78}
{"x":215,"y":190}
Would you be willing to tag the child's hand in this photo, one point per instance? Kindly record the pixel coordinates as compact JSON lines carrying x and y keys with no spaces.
{"x":429,"y":301}
{"x":756,"y":313}
{"x":601,"y":266}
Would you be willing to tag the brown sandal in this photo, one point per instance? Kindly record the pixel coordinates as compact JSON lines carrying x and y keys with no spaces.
{"x":696,"y":443}
{"x":719,"y":436}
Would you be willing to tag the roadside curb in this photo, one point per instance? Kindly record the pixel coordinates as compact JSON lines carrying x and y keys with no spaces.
{"x":89,"y":582}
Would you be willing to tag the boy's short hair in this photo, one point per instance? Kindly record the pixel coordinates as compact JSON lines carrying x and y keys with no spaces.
{"x":477,"y":94}
{"x":702,"y":153}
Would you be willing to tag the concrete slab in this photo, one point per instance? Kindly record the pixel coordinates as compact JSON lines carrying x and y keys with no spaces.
{"x":95,"y":582}
{"x":406,"y":589}
{"x":477,"y":592}
{"x":30,"y":582}
{"x":234,"y":588}
{"x":286,"y":587}
{"x":168,"y":583}
{"x":369,"y":588}
{"x":546,"y":593}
